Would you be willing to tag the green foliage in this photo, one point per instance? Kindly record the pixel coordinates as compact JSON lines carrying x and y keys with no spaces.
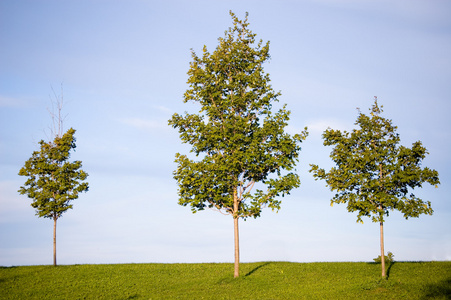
{"x":262,"y":280}
{"x":373,"y":174}
{"x":238,"y":140}
{"x":389,"y":258}
{"x":53,"y":182}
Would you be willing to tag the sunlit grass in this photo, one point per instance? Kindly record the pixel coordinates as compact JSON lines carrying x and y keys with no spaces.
{"x":264,"y":280}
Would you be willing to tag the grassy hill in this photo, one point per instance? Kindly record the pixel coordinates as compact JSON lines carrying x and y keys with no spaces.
{"x":263,"y":280}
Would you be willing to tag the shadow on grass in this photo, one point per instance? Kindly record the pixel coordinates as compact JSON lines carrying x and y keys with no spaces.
{"x":229,"y":279}
{"x":6,"y":278}
{"x":390,"y":265}
{"x":256,"y":268}
{"x":389,"y":268}
{"x":441,"y":290}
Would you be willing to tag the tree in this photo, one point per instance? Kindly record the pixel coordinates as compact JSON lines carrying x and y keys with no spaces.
{"x":373,"y":174}
{"x":245,"y":157}
{"x":53,"y":182}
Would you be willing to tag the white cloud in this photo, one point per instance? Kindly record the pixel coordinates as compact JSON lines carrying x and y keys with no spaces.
{"x":411,"y":9}
{"x":12,"y":204}
{"x":320,"y":125}
{"x":148,"y":125}
{"x":293,"y":130}
{"x":11,"y":102}
{"x":163,"y":109}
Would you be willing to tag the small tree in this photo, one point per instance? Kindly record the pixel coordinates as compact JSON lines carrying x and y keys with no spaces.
{"x":242,"y":142}
{"x":53,"y":182}
{"x":374,"y":175}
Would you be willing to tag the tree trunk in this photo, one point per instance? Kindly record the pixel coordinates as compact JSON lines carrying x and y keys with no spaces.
{"x":382,"y":249}
{"x":54,"y":240}
{"x":382,"y":229}
{"x":237,"y":248}
{"x":236,"y":235}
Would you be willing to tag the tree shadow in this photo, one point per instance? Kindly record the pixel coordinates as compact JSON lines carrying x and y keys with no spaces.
{"x":256,"y":268}
{"x":441,"y":290}
{"x":7,"y":278}
{"x":390,"y":265}
{"x":389,"y":268}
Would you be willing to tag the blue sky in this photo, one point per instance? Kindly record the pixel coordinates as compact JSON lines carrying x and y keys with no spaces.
{"x":122,"y":66}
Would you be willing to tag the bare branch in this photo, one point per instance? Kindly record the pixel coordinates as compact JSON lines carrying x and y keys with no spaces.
{"x":57,"y":103}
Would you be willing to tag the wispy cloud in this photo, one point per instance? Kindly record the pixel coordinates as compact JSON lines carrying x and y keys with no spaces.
{"x":318,"y":126}
{"x":11,"y":102}
{"x":163,"y":109}
{"x":144,"y":124}
{"x":293,"y":129}
{"x":413,"y":9}
{"x":11,"y":203}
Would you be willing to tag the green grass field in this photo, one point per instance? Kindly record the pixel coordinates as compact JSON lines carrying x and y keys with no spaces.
{"x":264,"y":280}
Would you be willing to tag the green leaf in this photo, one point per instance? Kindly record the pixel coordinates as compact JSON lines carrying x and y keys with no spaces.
{"x":237,"y":136}
{"x":373,"y":173}
{"x":53,"y":182}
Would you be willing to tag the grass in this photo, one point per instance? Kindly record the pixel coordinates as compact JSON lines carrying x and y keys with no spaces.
{"x":264,"y":280}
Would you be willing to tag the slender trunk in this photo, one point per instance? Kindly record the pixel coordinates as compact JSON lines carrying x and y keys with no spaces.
{"x":382,"y":249}
{"x":54,"y":240}
{"x":236,"y":272}
{"x":236,"y":236}
{"x":382,"y":229}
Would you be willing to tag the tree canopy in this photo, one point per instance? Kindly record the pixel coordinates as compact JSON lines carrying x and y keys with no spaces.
{"x":374,"y":174}
{"x":53,"y":182}
{"x":244,"y":158}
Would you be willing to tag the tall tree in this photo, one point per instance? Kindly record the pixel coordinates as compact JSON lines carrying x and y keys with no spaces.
{"x":244,"y":154}
{"x":373,"y":174}
{"x":53,"y":181}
